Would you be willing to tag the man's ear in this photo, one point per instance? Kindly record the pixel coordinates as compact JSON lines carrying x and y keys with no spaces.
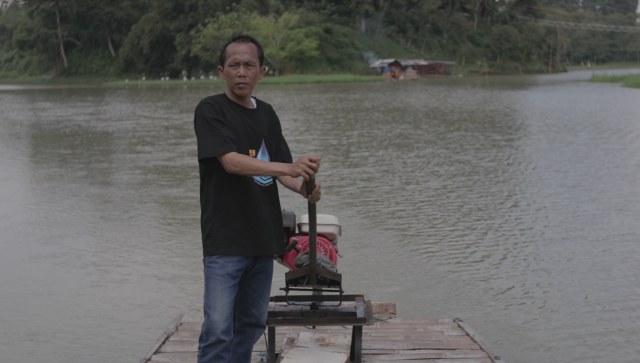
{"x":263,"y":71}
{"x":220,"y":70}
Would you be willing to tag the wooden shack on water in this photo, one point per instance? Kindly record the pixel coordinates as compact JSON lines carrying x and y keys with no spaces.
{"x":412,"y":68}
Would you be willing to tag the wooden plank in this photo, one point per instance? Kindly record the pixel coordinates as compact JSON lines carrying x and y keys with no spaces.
{"x":383,"y":310}
{"x":179,"y":346}
{"x":427,"y":354}
{"x":301,"y":355}
{"x":163,"y":338}
{"x":317,"y":348}
{"x":494,"y":358}
{"x":368,"y":344}
{"x":186,"y":357}
{"x":329,"y":342}
{"x":191,"y":357}
{"x":396,"y":359}
{"x":190,"y":326}
{"x":385,"y":340}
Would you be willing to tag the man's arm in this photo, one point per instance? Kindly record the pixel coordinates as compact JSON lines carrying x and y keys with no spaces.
{"x":299,"y":186}
{"x":236,"y":163}
{"x":294,"y":184}
{"x":240,"y":164}
{"x":287,"y":174}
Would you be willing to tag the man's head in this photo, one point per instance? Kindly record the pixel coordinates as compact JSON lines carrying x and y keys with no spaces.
{"x":241,"y":66}
{"x":241,"y":38}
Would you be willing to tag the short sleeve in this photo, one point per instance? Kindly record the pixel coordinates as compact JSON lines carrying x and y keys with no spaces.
{"x":284,"y":154}
{"x":281,"y":153}
{"x":214,"y":137}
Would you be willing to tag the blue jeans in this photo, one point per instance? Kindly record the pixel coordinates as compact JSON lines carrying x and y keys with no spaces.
{"x":236,"y":303}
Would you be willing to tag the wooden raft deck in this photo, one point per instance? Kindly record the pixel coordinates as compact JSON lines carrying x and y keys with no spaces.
{"x":387,"y":340}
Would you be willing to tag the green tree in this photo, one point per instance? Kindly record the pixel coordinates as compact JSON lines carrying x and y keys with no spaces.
{"x":209,"y":38}
{"x":277,"y":34}
{"x":528,"y":8}
{"x":113,"y":20}
{"x":339,"y":49}
{"x":149,"y":46}
{"x":48,"y":14}
{"x":607,"y":7}
{"x":174,"y":36}
{"x":28,"y":47}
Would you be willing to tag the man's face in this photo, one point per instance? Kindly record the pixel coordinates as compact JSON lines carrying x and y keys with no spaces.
{"x":241,"y":71}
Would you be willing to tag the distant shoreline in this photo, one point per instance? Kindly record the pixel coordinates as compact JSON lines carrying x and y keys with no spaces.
{"x":631,"y":80}
{"x":124,"y":81}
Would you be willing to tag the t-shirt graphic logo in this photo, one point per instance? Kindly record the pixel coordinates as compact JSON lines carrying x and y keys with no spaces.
{"x":263,"y":154}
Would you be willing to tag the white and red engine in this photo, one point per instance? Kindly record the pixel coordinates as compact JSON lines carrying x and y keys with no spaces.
{"x":296,"y":253}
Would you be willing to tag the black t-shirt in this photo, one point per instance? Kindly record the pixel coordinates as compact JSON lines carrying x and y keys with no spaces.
{"x":240,"y":215}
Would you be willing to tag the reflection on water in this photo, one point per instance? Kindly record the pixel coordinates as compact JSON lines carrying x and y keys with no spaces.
{"x":508,"y":202}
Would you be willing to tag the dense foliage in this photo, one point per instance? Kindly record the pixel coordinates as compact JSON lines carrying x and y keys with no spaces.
{"x":182,"y":37}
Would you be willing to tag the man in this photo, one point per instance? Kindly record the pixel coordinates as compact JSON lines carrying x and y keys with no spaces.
{"x":241,"y":150}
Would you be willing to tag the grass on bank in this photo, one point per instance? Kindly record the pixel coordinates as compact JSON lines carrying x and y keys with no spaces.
{"x":603,"y":66}
{"x":288,"y":79}
{"x":52,"y":80}
{"x":124,"y":81}
{"x":627,"y":80}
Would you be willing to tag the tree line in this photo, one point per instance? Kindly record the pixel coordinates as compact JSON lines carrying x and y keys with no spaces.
{"x":178,"y":38}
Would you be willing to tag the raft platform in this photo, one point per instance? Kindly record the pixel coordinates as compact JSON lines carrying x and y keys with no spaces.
{"x":385,"y":339}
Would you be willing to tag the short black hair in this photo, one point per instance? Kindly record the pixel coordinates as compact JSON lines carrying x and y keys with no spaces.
{"x":241,"y":38}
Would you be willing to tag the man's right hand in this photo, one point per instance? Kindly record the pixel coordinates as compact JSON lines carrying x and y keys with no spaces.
{"x":305,"y":167}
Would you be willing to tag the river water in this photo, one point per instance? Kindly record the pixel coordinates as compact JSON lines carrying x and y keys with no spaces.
{"x":511,"y":203}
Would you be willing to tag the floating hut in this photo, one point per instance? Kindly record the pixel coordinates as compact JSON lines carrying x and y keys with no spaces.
{"x":412,"y":68}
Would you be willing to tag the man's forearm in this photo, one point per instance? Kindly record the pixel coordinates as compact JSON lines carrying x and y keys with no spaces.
{"x":293,"y":184}
{"x":236,"y":163}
